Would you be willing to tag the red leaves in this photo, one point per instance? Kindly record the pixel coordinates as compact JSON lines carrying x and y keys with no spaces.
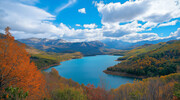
{"x":96,"y":93}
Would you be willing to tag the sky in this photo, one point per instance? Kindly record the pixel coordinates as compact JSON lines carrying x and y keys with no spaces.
{"x":90,"y":20}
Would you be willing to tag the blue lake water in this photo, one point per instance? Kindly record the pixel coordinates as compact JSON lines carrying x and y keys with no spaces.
{"x":90,"y":70}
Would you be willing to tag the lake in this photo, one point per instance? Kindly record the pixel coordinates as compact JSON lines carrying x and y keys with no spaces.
{"x":90,"y":70}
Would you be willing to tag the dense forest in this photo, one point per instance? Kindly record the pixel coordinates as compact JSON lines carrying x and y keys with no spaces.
{"x":151,"y":60}
{"x":163,"y":88}
{"x":21,"y":79}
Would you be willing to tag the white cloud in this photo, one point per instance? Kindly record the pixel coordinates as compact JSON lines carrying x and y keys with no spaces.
{"x":136,"y":37}
{"x":150,"y":12}
{"x":156,"y":11}
{"x":117,"y":12}
{"x":78,"y":25}
{"x":149,"y":25}
{"x":116,"y":30}
{"x":81,"y":34}
{"x":28,"y":21}
{"x":25,"y":18}
{"x":82,"y":10}
{"x":90,"y":25}
{"x":176,"y":34}
{"x":168,"y":23}
{"x":70,"y":2}
{"x":31,"y":2}
{"x":20,"y":16}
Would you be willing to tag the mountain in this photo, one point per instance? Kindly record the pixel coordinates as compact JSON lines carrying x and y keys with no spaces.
{"x":62,"y":46}
{"x":86,"y":48}
{"x":37,"y":41}
{"x":149,"y":60}
{"x":119,"y":44}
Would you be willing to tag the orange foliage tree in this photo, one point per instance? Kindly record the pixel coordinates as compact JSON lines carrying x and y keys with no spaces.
{"x":16,"y":70}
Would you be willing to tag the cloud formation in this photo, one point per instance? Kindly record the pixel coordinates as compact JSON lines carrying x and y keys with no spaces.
{"x":168,"y":23}
{"x":134,"y":13}
{"x":90,"y":25}
{"x":176,"y":34}
{"x":116,"y":30}
{"x":78,"y":25}
{"x":31,"y":2}
{"x":70,"y":2}
{"x":82,"y":10}
{"x":156,"y":11}
{"x":124,"y":22}
{"x":25,"y":18}
{"x":136,"y":37}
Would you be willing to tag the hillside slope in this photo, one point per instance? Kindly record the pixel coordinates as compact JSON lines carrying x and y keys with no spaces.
{"x":153,"y":60}
{"x":141,"y":50}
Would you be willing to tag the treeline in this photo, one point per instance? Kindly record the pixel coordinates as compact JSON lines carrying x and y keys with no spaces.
{"x":163,"y":88}
{"x":160,"y":61}
{"x":59,"y":88}
{"x":157,"y":88}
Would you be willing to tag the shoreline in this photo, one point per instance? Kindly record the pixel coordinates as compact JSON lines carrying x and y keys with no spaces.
{"x":58,"y":63}
{"x":123,"y":74}
{"x":105,"y":71}
{"x":50,"y":66}
{"x":75,"y":58}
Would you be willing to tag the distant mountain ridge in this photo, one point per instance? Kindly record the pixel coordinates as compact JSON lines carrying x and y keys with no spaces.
{"x":39,"y":41}
{"x":119,"y":44}
{"x":86,"y":48}
{"x":62,"y":46}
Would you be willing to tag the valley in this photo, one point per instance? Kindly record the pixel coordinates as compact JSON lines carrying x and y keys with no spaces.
{"x":83,"y":75}
{"x":89,"y":49}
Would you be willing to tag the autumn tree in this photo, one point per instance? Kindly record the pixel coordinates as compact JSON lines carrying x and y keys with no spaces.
{"x":98,"y":93}
{"x":16,"y":70}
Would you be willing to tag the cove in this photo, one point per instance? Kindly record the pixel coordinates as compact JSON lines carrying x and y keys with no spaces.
{"x":90,"y":70}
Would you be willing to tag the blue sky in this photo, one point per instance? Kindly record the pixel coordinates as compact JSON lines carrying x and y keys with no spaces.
{"x":88,"y":20}
{"x":65,"y":16}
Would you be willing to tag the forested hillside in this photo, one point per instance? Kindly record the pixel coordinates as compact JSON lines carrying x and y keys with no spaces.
{"x":157,"y":88}
{"x":150,"y":60}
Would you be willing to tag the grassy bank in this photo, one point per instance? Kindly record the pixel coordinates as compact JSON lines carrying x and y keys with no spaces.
{"x":44,"y":60}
